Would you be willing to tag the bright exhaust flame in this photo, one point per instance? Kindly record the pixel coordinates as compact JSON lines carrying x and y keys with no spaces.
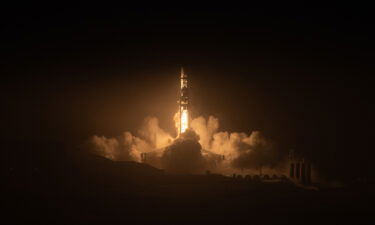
{"x":184,"y":120}
{"x":181,"y":121}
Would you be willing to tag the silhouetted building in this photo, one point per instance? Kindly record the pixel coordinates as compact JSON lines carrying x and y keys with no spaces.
{"x":299,"y":168}
{"x":291,"y":174}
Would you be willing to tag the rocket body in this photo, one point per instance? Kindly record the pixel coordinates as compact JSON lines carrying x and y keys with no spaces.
{"x":184,"y":104}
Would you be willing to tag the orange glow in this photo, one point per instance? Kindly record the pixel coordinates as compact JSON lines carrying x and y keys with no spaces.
{"x":181,"y":119}
{"x":184,"y":120}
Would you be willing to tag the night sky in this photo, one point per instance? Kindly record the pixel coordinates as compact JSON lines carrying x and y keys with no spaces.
{"x":301,"y":77}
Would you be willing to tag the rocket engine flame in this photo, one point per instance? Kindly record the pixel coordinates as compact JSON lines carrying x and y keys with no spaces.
{"x":184,"y":120}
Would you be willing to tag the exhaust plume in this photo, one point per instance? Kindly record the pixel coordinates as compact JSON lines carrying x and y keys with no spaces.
{"x":193,"y":150}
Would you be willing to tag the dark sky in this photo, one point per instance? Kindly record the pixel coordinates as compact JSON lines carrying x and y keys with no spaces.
{"x":301,"y":76}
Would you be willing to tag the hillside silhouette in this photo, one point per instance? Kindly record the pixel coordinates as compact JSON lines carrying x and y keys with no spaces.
{"x":48,"y":183}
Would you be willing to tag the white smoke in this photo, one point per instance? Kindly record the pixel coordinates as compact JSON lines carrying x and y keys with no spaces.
{"x":125,"y":147}
{"x":251,"y":151}
{"x":128,"y":147}
{"x":240,"y":150}
{"x":153,"y":134}
{"x":205,"y":130}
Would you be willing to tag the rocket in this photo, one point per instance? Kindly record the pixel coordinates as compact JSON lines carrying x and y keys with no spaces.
{"x":184,"y":103}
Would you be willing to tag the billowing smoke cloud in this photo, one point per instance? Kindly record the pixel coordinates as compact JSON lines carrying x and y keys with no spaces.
{"x":205,"y":130}
{"x":202,"y":147}
{"x":153,"y":134}
{"x":122,"y":148}
{"x":184,"y":155}
{"x":254,"y":152}
{"x":128,"y":147}
{"x":241,"y":151}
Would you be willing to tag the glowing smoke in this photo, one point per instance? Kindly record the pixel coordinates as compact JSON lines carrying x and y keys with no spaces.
{"x":128,"y":147}
{"x":205,"y":130}
{"x":194,"y":150}
{"x":153,"y":134}
{"x":241,"y":151}
{"x":122,"y":148}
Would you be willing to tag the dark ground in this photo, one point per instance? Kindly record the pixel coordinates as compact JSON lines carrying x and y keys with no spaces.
{"x":55,"y":186}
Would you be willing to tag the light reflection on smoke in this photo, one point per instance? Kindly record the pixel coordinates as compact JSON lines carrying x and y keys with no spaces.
{"x":240,"y":150}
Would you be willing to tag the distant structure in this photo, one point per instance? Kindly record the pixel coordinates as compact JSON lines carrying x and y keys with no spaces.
{"x":184,"y":103}
{"x":299,"y":169}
